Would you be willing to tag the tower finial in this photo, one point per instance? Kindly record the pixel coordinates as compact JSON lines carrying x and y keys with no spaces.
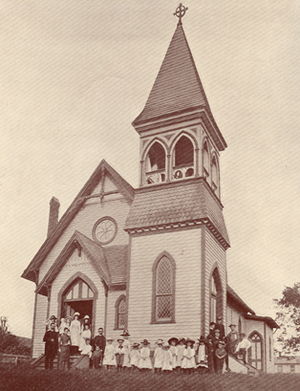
{"x":180,"y":12}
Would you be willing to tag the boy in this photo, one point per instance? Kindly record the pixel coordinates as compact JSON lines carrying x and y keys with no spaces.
{"x":64,"y":349}
{"x":120,"y":351}
{"x":96,"y":357}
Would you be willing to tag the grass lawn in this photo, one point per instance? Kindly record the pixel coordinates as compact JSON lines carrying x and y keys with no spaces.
{"x":26,"y":378}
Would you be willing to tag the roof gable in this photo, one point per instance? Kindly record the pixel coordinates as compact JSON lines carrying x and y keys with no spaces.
{"x":93,"y":251}
{"x":98,"y":176}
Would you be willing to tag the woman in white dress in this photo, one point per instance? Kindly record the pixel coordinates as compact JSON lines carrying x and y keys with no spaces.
{"x":145,"y":361}
{"x":86,"y":334}
{"x":109,"y":355}
{"x":75,"y":333}
{"x":180,"y":350}
{"x":188,"y":362}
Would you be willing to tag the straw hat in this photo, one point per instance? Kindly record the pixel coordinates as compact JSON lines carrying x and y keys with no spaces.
{"x":125,"y":333}
{"x":76,"y":314}
{"x":189,"y":340}
{"x":145,"y":342}
{"x":109,"y":339}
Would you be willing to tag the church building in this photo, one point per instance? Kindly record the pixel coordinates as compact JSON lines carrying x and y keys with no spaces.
{"x":152,"y":259}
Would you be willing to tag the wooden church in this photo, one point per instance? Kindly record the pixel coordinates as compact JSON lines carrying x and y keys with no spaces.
{"x":151,"y":259}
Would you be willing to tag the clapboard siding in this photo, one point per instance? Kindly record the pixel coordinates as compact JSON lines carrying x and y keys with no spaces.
{"x":39,"y":325}
{"x":111,"y":311}
{"x":184,"y":247}
{"x":233,"y":317}
{"x":84,"y":222}
{"x":214,"y":255}
{"x":73,"y":265}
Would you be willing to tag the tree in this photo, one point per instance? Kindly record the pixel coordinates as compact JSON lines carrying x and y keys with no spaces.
{"x":3,"y":323}
{"x":288,"y":318}
{"x":10,"y":343}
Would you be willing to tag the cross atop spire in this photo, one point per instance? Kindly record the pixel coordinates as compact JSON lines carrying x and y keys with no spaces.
{"x":180,"y":12}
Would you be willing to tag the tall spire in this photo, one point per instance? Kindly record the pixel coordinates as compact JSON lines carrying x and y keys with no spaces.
{"x":177,"y":89}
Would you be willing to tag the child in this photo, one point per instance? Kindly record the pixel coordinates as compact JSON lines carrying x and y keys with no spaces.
{"x":135,"y":356}
{"x":180,"y":350}
{"x":120,"y":352}
{"x":220,"y":355}
{"x":167,"y":362}
{"x":210,"y":354}
{"x":86,"y":351}
{"x":158,"y":356}
{"x":109,"y":355}
{"x":202,"y":355}
{"x":96,"y":356}
{"x":188,"y":362}
{"x":145,"y":361}
{"x":126,"y":345}
{"x":173,"y":349}
{"x":64,"y":349}
{"x":86,"y":334}
{"x":62,"y":326}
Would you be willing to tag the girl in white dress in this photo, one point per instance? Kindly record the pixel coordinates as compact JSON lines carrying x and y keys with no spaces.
{"x":75,"y":333}
{"x":158,"y":356}
{"x":173,"y":349}
{"x":126,"y":345}
{"x":135,"y":356}
{"x":167,"y":362}
{"x":109,"y":355}
{"x":145,"y":361}
{"x":180,"y":350}
{"x":188,"y":362}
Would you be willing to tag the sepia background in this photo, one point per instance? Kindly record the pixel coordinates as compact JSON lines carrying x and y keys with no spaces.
{"x":74,"y":75}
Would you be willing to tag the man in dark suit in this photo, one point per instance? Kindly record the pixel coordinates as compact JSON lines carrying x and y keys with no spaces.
{"x":51,"y":346}
{"x":100,"y":341}
{"x":220,"y":327}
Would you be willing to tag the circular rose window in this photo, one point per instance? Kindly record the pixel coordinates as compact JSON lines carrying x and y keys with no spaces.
{"x":105,"y":230}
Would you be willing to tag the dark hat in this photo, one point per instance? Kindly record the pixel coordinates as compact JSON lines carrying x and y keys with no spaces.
{"x":211,"y":323}
{"x":232,"y":324}
{"x":53,"y":317}
{"x":173,"y":339}
{"x":120,"y":339}
{"x":181,"y":340}
{"x":145,"y":342}
{"x":189,"y":340}
{"x":135,"y":345}
{"x":202,"y":339}
{"x":221,"y":343}
{"x":209,"y":336}
{"x":125,"y":333}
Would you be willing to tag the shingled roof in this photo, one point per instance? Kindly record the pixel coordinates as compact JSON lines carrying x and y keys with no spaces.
{"x":177,"y":88}
{"x":178,"y":203}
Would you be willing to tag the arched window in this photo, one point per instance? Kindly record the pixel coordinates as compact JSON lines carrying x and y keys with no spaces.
{"x":120,"y":317}
{"x":205,"y":160}
{"x":156,"y":164}
{"x":183,"y":158}
{"x":214,"y":174}
{"x":216,"y":302}
{"x":255,"y":352}
{"x":213,"y":301}
{"x":163,"y":308}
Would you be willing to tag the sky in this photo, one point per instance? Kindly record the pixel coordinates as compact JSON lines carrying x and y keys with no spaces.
{"x":73,"y":77}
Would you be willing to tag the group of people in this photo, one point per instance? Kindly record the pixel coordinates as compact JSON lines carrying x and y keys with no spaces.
{"x":177,"y":354}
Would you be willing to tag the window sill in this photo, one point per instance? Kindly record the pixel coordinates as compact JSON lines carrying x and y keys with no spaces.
{"x":163,"y":322}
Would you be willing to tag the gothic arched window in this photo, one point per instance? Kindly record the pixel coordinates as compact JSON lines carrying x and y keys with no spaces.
{"x":205,"y":160}
{"x":214,"y":174}
{"x":120,"y":317}
{"x":255,"y":353}
{"x":216,"y":301}
{"x":163,"y":308}
{"x":156,"y":164}
{"x":183,"y":158}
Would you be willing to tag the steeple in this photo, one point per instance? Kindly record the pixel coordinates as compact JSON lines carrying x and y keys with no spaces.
{"x":178,"y":89}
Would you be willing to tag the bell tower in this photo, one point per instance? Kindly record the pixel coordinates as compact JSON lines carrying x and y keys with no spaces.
{"x":177,"y":212}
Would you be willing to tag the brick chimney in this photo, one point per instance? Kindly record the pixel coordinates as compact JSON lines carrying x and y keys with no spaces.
{"x":53,"y":215}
